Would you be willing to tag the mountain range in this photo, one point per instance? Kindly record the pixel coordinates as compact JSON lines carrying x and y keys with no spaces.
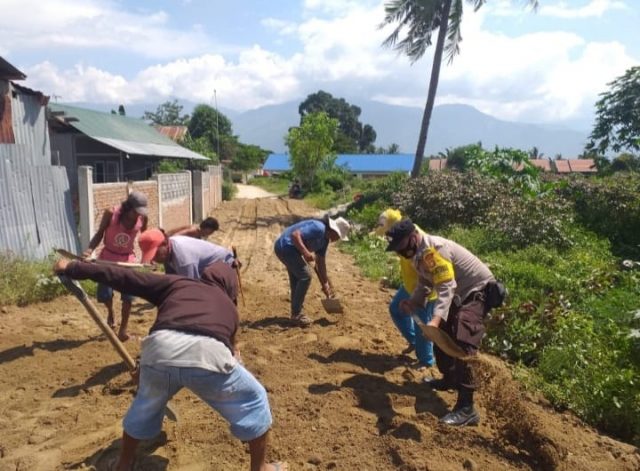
{"x":451,"y":126}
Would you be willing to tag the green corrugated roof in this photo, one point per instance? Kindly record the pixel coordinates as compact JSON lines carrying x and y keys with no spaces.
{"x":127,"y":134}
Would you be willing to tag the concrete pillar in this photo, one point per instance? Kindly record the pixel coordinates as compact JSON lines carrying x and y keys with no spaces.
{"x":191,"y":192}
{"x":158,"y":179}
{"x":85,"y":201}
{"x":197,"y":196}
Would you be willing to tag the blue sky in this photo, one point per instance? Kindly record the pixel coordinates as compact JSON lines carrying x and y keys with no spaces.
{"x":547,"y":66}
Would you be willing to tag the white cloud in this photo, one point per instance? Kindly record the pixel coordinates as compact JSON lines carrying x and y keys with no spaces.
{"x":595,"y":8}
{"x":81,"y":83}
{"x":281,"y":27}
{"x":88,"y":24}
{"x":543,"y":76}
{"x":561,"y":9}
{"x":258,"y":78}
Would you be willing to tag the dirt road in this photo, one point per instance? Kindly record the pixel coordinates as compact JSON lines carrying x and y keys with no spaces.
{"x":342,"y":398}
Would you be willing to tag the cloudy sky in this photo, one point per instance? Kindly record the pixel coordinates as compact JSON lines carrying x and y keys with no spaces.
{"x":547,"y":66}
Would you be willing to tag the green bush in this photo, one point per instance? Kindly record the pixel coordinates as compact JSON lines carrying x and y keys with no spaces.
{"x":228,"y":190}
{"x":591,"y":367}
{"x":444,"y":199}
{"x":370,"y":256}
{"x":170,"y":166}
{"x":447,"y":198}
{"x":610,"y":207}
{"x":25,"y":282}
{"x":278,"y":184}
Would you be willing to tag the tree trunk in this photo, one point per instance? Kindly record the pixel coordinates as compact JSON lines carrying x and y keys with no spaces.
{"x":433,"y":87}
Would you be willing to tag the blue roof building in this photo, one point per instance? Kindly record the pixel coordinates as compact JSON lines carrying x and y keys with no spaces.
{"x":358,"y":164}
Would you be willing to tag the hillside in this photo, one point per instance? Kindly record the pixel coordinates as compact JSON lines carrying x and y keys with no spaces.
{"x":451,"y":126}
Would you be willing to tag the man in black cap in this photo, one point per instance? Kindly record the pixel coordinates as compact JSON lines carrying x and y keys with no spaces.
{"x":461,"y":281}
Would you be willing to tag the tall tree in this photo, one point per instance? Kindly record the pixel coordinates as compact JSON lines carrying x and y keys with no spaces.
{"x":352,"y":135}
{"x":310,"y":145}
{"x":168,"y":113}
{"x":207,"y":122}
{"x":422,"y":18}
{"x":618,"y":115}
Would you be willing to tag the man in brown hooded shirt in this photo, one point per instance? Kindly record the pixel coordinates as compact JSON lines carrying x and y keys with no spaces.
{"x":190,"y":345}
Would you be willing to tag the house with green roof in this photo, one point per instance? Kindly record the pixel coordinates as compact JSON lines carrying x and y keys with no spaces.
{"x":119,"y":148}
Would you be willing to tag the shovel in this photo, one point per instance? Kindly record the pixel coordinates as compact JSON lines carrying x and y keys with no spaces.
{"x":72,"y":256}
{"x":330,"y":304}
{"x":74,"y":288}
{"x":235,"y":256}
{"x":440,"y":338}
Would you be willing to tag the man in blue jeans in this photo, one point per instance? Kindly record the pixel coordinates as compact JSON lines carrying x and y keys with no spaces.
{"x":404,"y":323}
{"x":301,"y":244}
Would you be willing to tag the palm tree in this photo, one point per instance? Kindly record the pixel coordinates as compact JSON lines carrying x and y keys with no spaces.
{"x":422,"y":18}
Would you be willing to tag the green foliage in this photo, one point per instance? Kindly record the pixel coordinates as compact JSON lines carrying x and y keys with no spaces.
{"x":167,"y":114}
{"x":380,"y":191}
{"x":352,"y":136}
{"x":25,"y":282}
{"x":511,"y":166}
{"x":458,"y":157}
{"x":248,"y":157}
{"x":370,"y":256}
{"x":208,"y":123}
{"x":229,"y":189}
{"x":310,"y":146}
{"x":618,"y":115}
{"x":440,"y":199}
{"x":610,"y":207}
{"x":589,"y":367}
{"x":171,"y":165}
{"x":278,"y":185}
{"x":567,"y":316}
{"x":202,"y":146}
{"x":443,"y":199}
{"x":626,"y":162}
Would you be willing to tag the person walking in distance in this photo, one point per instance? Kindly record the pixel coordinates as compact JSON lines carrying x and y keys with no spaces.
{"x":118,"y":229}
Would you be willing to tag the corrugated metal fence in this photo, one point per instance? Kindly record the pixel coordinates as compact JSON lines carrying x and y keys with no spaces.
{"x":36,"y":211}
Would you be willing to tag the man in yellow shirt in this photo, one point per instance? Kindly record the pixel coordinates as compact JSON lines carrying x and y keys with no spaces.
{"x":409,"y":275}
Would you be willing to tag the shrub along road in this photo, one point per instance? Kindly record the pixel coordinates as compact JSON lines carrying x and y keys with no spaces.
{"x":341,"y":396}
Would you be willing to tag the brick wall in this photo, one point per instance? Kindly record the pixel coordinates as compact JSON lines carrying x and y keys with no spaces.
{"x":108,"y":195}
{"x":170,"y":198}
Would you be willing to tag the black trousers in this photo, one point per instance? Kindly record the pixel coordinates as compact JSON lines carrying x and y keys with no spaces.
{"x":465,"y":325}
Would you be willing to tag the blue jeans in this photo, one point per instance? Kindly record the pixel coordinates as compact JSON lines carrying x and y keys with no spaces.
{"x":237,"y":396}
{"x":410,"y":331}
{"x":299,"y":276}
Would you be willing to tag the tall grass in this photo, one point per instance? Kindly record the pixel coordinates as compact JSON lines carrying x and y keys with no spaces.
{"x":25,"y":282}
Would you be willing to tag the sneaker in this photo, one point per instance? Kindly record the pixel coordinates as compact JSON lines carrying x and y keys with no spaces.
{"x":301,"y":320}
{"x":461,"y":417}
{"x":438,"y":384}
{"x":408,"y":350}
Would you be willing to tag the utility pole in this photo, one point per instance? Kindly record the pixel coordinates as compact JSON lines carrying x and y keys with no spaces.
{"x":215,"y":101}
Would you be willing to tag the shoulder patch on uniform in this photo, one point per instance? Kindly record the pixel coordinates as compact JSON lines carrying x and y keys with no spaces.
{"x":440,"y":268}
